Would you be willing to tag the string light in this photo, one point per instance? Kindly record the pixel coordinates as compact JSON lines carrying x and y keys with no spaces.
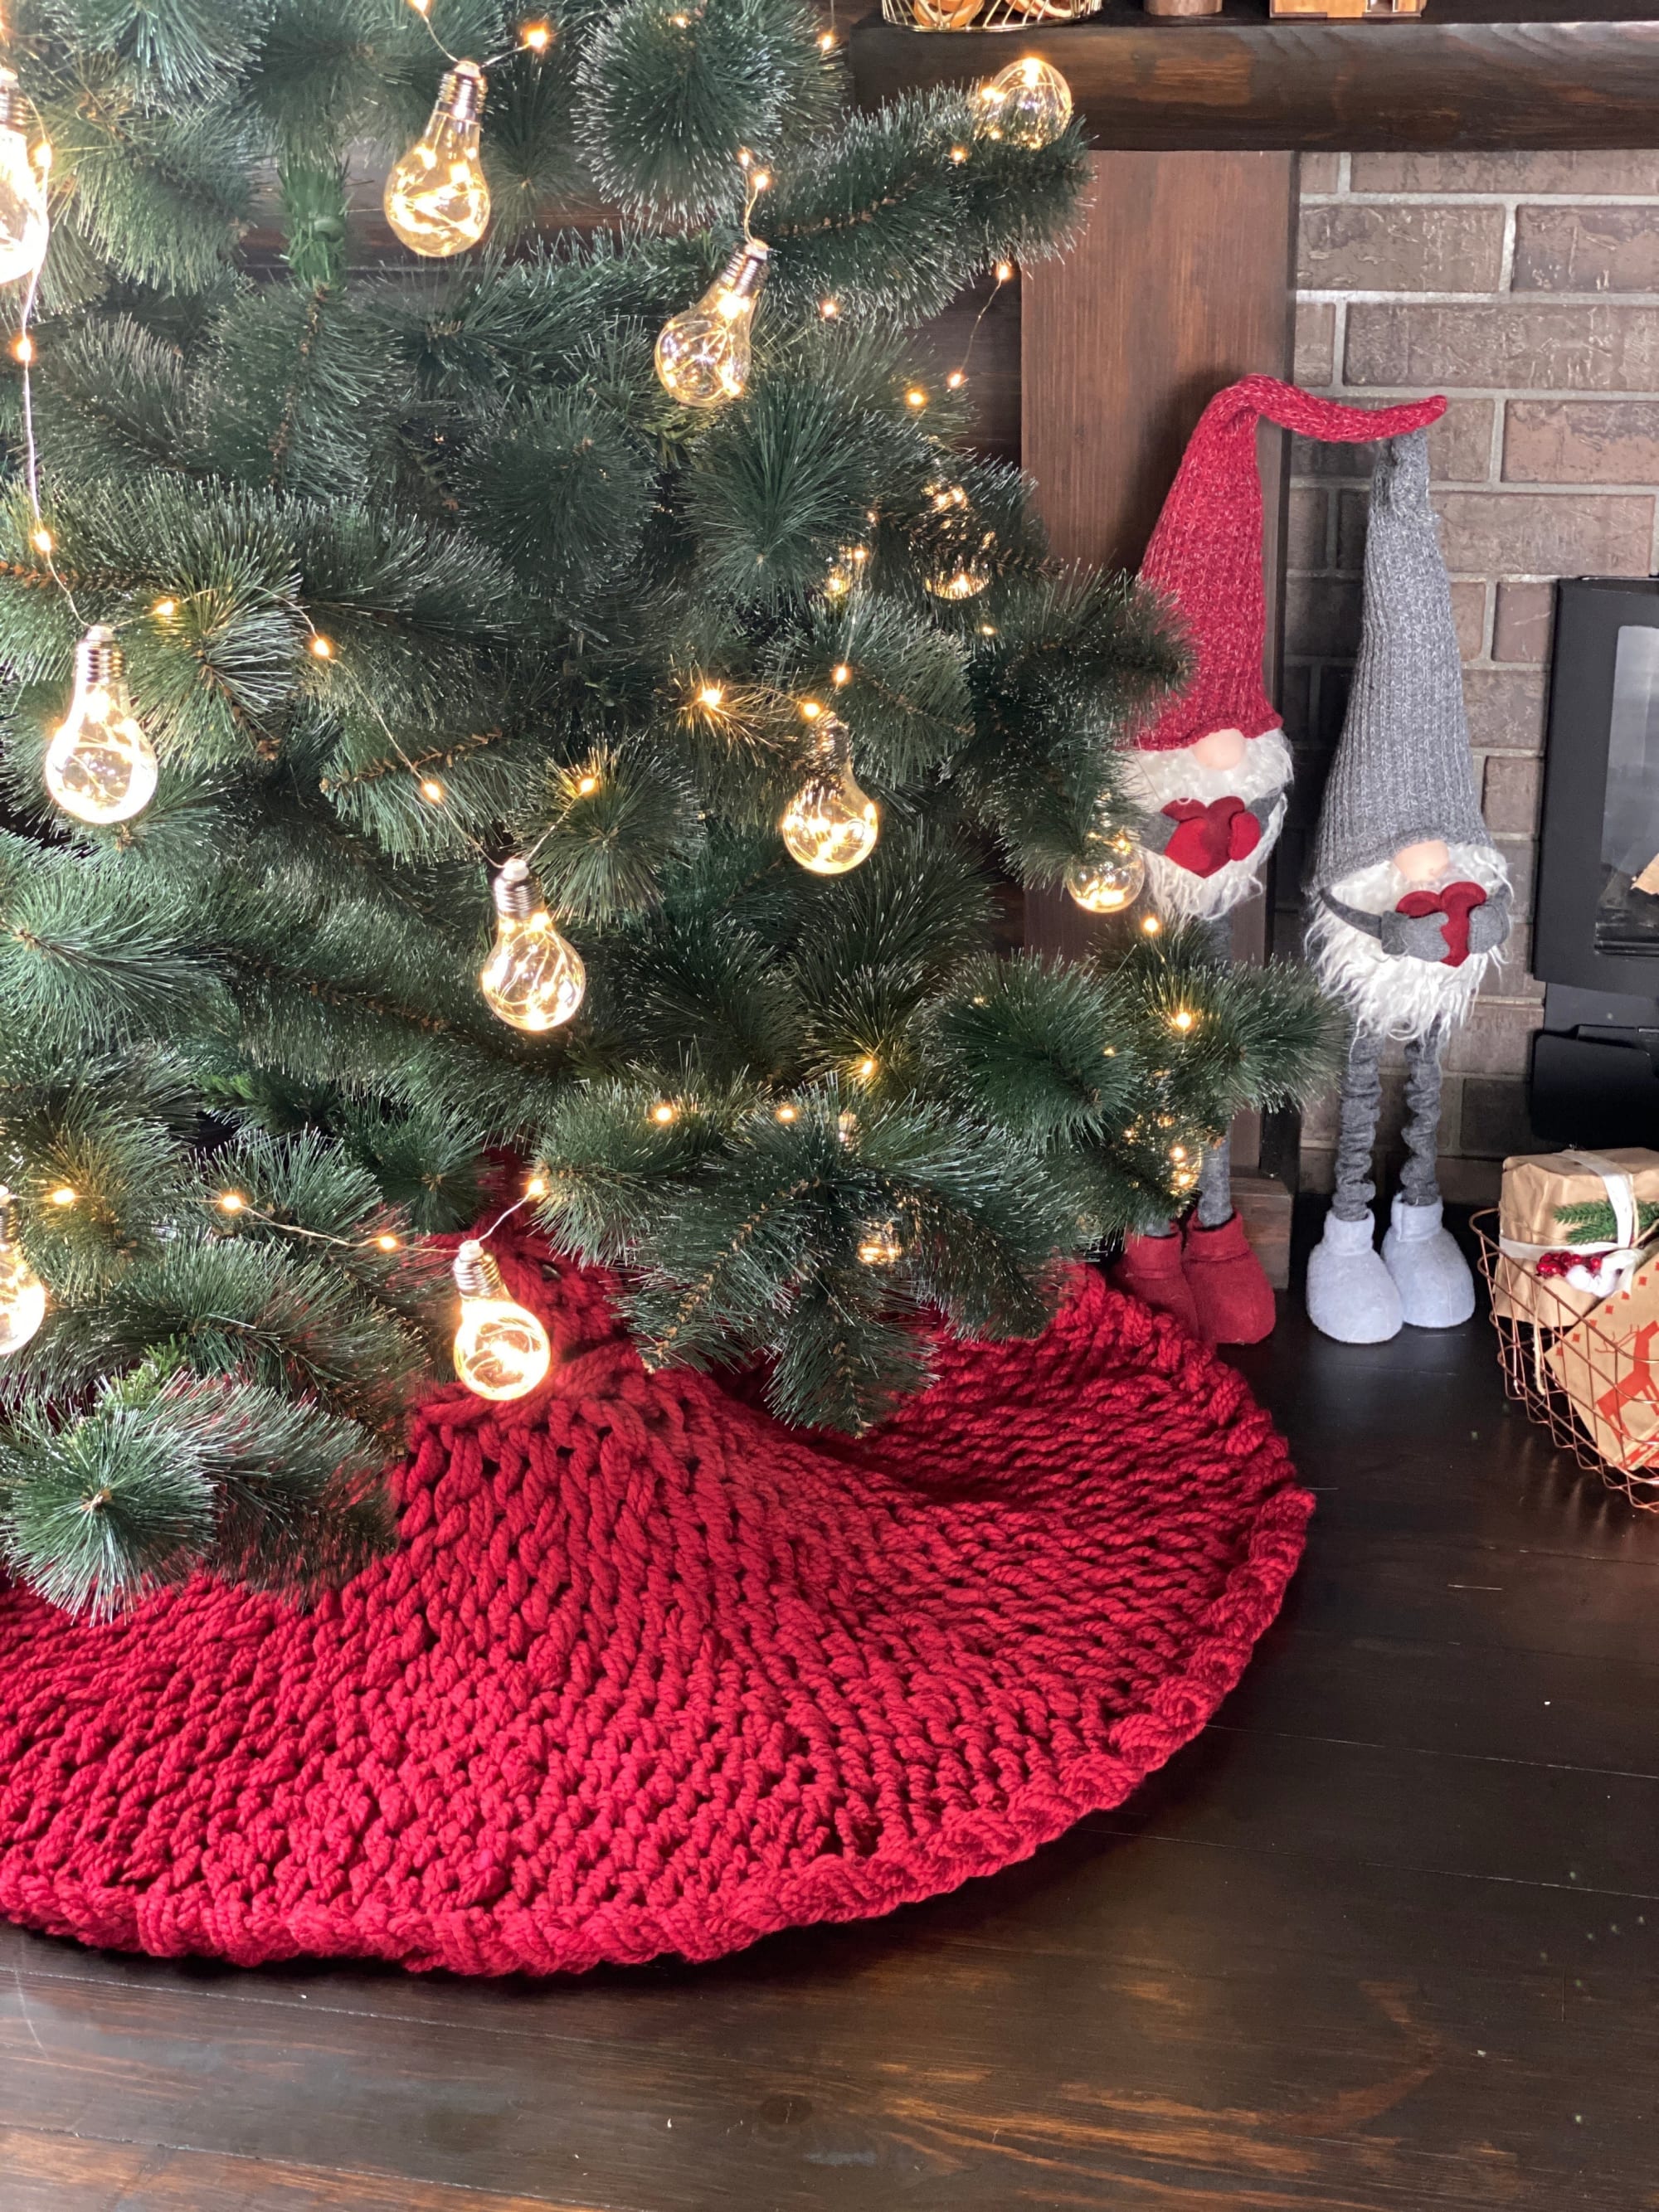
{"x":165,"y":610}
{"x":23,"y":349}
{"x":100,"y":767}
{"x":22,"y":1294}
{"x":879,"y":1244}
{"x":587,"y":786}
{"x":841,"y":673}
{"x":537,"y":1187}
{"x":958,"y":154}
{"x":710,"y":695}
{"x":1151,"y":924}
{"x":829,"y":309}
{"x":502,"y":1350}
{"x":868,"y":1068}
{"x":231,"y":1201}
{"x":437,"y":197}
{"x":915,"y":399}
{"x":23,"y":219}
{"x":534,"y":980}
{"x":785,"y":1113}
{"x":320,"y":647}
{"x":41,"y":538}
{"x":64,"y":1195}
{"x":704,"y":355}
{"x":1109,"y":875}
{"x":956,"y":379}
{"x":536,"y":37}
{"x":432,"y":791}
{"x":387,"y":1242}
{"x":663,"y":1113}
{"x":831,"y":825}
{"x":1029,"y":103}
{"x":1184,"y":1019}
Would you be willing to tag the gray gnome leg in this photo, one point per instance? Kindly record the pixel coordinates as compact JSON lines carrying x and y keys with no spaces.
{"x":1362,"y":1102}
{"x":1351,"y":1293}
{"x":1437,"y":1289}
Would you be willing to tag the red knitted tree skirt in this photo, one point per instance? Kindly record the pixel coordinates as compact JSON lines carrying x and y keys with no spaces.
{"x":649,"y":1673}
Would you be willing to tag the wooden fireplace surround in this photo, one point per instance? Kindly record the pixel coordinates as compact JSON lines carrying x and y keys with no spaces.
{"x":1183,"y":278}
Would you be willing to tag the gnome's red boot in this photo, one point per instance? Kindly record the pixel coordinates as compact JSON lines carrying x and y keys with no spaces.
{"x":1233,"y":1298}
{"x":1151,"y":1270}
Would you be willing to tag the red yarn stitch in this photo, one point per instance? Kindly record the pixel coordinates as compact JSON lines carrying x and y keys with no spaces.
{"x":651,"y":1673}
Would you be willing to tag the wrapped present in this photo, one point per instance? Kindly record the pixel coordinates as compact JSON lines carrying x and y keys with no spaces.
{"x":1607,"y":1363}
{"x":1571,"y":1227}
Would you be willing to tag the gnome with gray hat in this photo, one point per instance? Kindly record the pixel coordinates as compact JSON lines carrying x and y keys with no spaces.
{"x":1409,"y":905}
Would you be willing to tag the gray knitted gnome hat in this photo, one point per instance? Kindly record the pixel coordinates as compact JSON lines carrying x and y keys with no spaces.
{"x":1403,"y":770}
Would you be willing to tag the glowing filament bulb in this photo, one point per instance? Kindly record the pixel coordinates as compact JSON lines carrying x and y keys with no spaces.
{"x":22,"y":1294}
{"x":534,"y":980}
{"x":100,"y":767}
{"x":880,"y":1244}
{"x":436,"y":199}
{"x":959,"y":542}
{"x":502,"y":1350}
{"x":1109,"y":875}
{"x":831,"y":825}
{"x":703,"y":355}
{"x":22,"y":194}
{"x":1029,"y":103}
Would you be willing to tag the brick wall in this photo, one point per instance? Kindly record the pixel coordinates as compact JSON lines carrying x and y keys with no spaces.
{"x":1527,"y":287}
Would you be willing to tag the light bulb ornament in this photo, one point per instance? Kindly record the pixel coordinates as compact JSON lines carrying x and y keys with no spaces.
{"x":831,"y":825}
{"x":1108,"y":875}
{"x":704,"y":355}
{"x":22,"y":1294}
{"x":23,"y":221}
{"x":534,"y":979}
{"x":1029,"y":103}
{"x":502,"y":1350}
{"x":100,"y":766}
{"x":436,"y":197}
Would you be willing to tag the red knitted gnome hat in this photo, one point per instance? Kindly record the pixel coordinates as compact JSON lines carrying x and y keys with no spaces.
{"x":1206,"y":553}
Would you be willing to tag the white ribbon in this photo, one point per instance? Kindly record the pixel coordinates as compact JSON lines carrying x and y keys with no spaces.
{"x":1605,"y":1268}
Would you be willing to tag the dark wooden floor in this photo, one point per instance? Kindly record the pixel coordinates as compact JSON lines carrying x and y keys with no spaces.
{"x":1386,"y":1939}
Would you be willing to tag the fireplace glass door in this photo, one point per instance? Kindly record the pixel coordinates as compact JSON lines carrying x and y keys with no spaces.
{"x":1627,"y":910}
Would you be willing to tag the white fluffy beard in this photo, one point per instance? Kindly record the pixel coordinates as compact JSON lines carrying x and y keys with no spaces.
{"x":1151,"y":780}
{"x":1399,"y":997}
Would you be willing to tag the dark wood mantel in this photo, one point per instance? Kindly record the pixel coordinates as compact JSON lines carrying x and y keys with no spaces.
{"x":1470,"y":74}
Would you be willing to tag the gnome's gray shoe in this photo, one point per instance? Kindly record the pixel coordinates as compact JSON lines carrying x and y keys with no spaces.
{"x":1351,"y":1293}
{"x":1437,"y":1289}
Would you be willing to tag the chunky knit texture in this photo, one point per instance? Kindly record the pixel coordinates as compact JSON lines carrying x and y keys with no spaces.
{"x":1206,"y":553}
{"x":650,"y":1674}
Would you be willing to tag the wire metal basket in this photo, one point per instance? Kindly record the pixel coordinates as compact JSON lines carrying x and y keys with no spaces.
{"x":1608,"y":1374}
{"x":986,"y":14}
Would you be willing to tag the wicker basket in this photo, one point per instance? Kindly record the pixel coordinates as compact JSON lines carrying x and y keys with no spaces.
{"x":1528,"y":1378}
{"x":986,"y":14}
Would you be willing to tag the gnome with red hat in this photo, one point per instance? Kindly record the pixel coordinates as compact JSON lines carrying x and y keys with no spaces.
{"x":1212,"y":774}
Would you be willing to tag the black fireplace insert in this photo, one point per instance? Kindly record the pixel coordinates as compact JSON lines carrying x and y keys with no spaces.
{"x":1595,"y":926}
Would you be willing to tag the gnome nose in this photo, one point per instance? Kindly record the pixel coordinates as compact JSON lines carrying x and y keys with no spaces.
{"x":1423,"y":862}
{"x":1222,"y":749}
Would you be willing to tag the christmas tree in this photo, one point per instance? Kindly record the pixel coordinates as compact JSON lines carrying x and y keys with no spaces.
{"x":623,"y":594}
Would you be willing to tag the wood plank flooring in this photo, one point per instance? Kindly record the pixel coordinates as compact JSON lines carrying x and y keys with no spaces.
{"x":1385,"y":1939}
